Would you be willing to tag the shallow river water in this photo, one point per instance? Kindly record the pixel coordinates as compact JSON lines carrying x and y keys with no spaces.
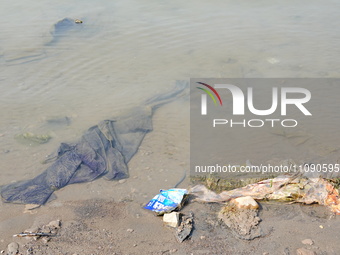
{"x":127,"y":51}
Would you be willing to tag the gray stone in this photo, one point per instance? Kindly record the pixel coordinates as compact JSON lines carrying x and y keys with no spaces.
{"x":304,"y":251}
{"x":55,"y":224}
{"x":12,"y":248}
{"x":184,"y":230}
{"x":307,"y":241}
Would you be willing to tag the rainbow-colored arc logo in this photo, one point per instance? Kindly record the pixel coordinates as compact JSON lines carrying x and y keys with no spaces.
{"x":209,"y":93}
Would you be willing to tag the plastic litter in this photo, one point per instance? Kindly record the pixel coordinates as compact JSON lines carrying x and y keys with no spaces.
{"x":290,"y":188}
{"x":167,"y":201}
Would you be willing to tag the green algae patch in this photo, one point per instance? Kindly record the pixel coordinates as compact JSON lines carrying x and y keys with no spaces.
{"x":33,"y":139}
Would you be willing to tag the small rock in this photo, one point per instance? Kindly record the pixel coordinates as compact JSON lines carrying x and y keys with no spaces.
{"x":32,"y":230}
{"x":173,"y":251}
{"x":45,"y":239}
{"x":12,"y":248}
{"x":304,"y":251}
{"x":134,"y":245}
{"x":122,"y":181}
{"x":202,"y":237}
{"x":55,"y":224}
{"x":171,"y":219}
{"x":2,"y":251}
{"x":320,"y":226}
{"x":245,"y":203}
{"x":307,"y":241}
{"x":130,"y":230}
{"x":46,"y":229}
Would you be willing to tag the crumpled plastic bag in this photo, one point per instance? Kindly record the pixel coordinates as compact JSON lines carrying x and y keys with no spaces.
{"x":284,"y":188}
{"x":166,"y":201}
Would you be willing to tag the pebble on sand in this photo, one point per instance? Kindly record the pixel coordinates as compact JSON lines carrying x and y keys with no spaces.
{"x":304,"y":251}
{"x":54,"y":224}
{"x":307,"y":241}
{"x":245,"y":203}
{"x":122,"y":181}
{"x":12,"y":248}
{"x":171,"y":219}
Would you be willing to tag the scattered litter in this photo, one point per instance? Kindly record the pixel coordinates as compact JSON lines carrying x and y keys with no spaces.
{"x":167,"y":201}
{"x":44,"y":232}
{"x":171,"y":219}
{"x":185,"y":228}
{"x":30,"y":234}
{"x":291,"y":188}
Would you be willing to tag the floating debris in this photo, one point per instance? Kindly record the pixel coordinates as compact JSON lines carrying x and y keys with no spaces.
{"x":32,"y":139}
{"x":58,"y":121}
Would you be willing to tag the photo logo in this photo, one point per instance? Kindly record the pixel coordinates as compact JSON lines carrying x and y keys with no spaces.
{"x":204,"y":97}
{"x":280,"y":98}
{"x":239,"y":99}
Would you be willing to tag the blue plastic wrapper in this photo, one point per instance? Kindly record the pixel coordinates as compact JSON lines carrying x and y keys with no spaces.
{"x":166,"y":201}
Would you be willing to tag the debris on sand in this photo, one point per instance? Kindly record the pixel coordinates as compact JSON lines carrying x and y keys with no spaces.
{"x":171,"y":219}
{"x":167,"y":201}
{"x":291,"y":188}
{"x":13,"y":248}
{"x":240,"y":215}
{"x":49,"y":230}
{"x":185,"y":228}
{"x":42,"y":234}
